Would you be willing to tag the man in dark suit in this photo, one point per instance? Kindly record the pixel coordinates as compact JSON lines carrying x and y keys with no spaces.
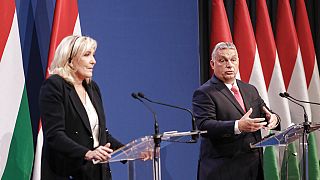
{"x":233,"y":113}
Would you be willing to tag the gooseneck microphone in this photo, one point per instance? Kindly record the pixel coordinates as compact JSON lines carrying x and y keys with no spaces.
{"x":306,"y":128}
{"x":156,"y":139}
{"x":309,"y":102}
{"x":194,"y":127}
{"x":287,"y":96}
{"x":156,"y":125}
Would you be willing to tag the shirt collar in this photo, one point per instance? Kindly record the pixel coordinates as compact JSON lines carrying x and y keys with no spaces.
{"x":230,"y":85}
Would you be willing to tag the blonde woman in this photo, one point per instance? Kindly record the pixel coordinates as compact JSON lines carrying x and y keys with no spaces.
{"x":73,"y":116}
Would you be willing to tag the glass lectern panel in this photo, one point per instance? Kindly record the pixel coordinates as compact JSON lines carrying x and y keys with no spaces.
{"x":133,"y":150}
{"x":286,"y":136}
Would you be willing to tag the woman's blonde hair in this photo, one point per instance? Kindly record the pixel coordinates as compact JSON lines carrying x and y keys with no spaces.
{"x":70,"y":49}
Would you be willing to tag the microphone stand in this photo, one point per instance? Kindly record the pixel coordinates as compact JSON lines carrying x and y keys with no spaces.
{"x":306,"y":130}
{"x":305,"y":144}
{"x":156,"y":166}
{"x":193,"y":121}
{"x":157,"y":136}
{"x":156,"y":153}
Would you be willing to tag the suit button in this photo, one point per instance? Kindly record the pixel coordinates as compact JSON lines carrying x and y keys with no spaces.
{"x":91,"y":137}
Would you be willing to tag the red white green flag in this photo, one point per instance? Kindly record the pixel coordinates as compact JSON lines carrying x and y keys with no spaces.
{"x":65,"y":22}
{"x":312,"y":80}
{"x":16,"y":150}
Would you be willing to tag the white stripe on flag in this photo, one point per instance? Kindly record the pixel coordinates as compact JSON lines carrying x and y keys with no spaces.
{"x":37,"y":159}
{"x":12,"y":84}
{"x":77,"y":27}
{"x":298,"y":88}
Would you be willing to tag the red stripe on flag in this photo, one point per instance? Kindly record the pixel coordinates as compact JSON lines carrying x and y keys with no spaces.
{"x":265,"y":41}
{"x":305,"y":39}
{"x":7,"y":9}
{"x":244,"y":39}
{"x":220,"y":30}
{"x":286,"y":40}
{"x":65,"y":16}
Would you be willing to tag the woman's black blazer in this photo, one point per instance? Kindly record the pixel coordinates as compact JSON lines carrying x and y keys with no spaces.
{"x":67,"y":132}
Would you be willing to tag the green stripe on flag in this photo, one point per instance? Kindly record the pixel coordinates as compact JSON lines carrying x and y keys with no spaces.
{"x":290,"y":164}
{"x":313,"y":161}
{"x":270,"y":164}
{"x":20,"y":158}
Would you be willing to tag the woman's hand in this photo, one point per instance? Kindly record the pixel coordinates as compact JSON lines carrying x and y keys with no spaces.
{"x":146,"y":155}
{"x":101,"y":153}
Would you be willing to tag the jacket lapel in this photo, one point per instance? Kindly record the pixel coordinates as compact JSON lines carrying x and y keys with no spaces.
{"x":78,"y":106}
{"x":221,"y":87}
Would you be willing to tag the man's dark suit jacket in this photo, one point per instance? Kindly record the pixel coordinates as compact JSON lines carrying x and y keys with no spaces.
{"x":224,"y":155}
{"x":67,"y":132}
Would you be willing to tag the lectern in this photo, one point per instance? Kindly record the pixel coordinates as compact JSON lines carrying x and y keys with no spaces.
{"x":134,"y":149}
{"x":288,"y":136}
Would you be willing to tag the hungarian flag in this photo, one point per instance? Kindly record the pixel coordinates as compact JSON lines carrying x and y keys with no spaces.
{"x":16,"y":152}
{"x":65,"y":22}
{"x":293,"y":75}
{"x":220,"y":30}
{"x":274,"y":82}
{"x":250,"y":65}
{"x":312,"y":80}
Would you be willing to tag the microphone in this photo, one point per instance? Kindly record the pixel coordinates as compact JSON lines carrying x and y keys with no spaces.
{"x":156,"y":125}
{"x":156,"y":137}
{"x":306,"y":129}
{"x":287,"y":96}
{"x":282,"y":95}
{"x":194,"y":127}
{"x":309,"y":102}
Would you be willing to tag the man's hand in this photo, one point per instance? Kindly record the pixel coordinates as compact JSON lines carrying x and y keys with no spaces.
{"x":247,"y":124}
{"x":100,"y":154}
{"x":271,"y":118}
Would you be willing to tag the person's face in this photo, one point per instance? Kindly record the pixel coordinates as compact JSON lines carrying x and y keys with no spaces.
{"x":226,"y":65}
{"x":84,"y":65}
